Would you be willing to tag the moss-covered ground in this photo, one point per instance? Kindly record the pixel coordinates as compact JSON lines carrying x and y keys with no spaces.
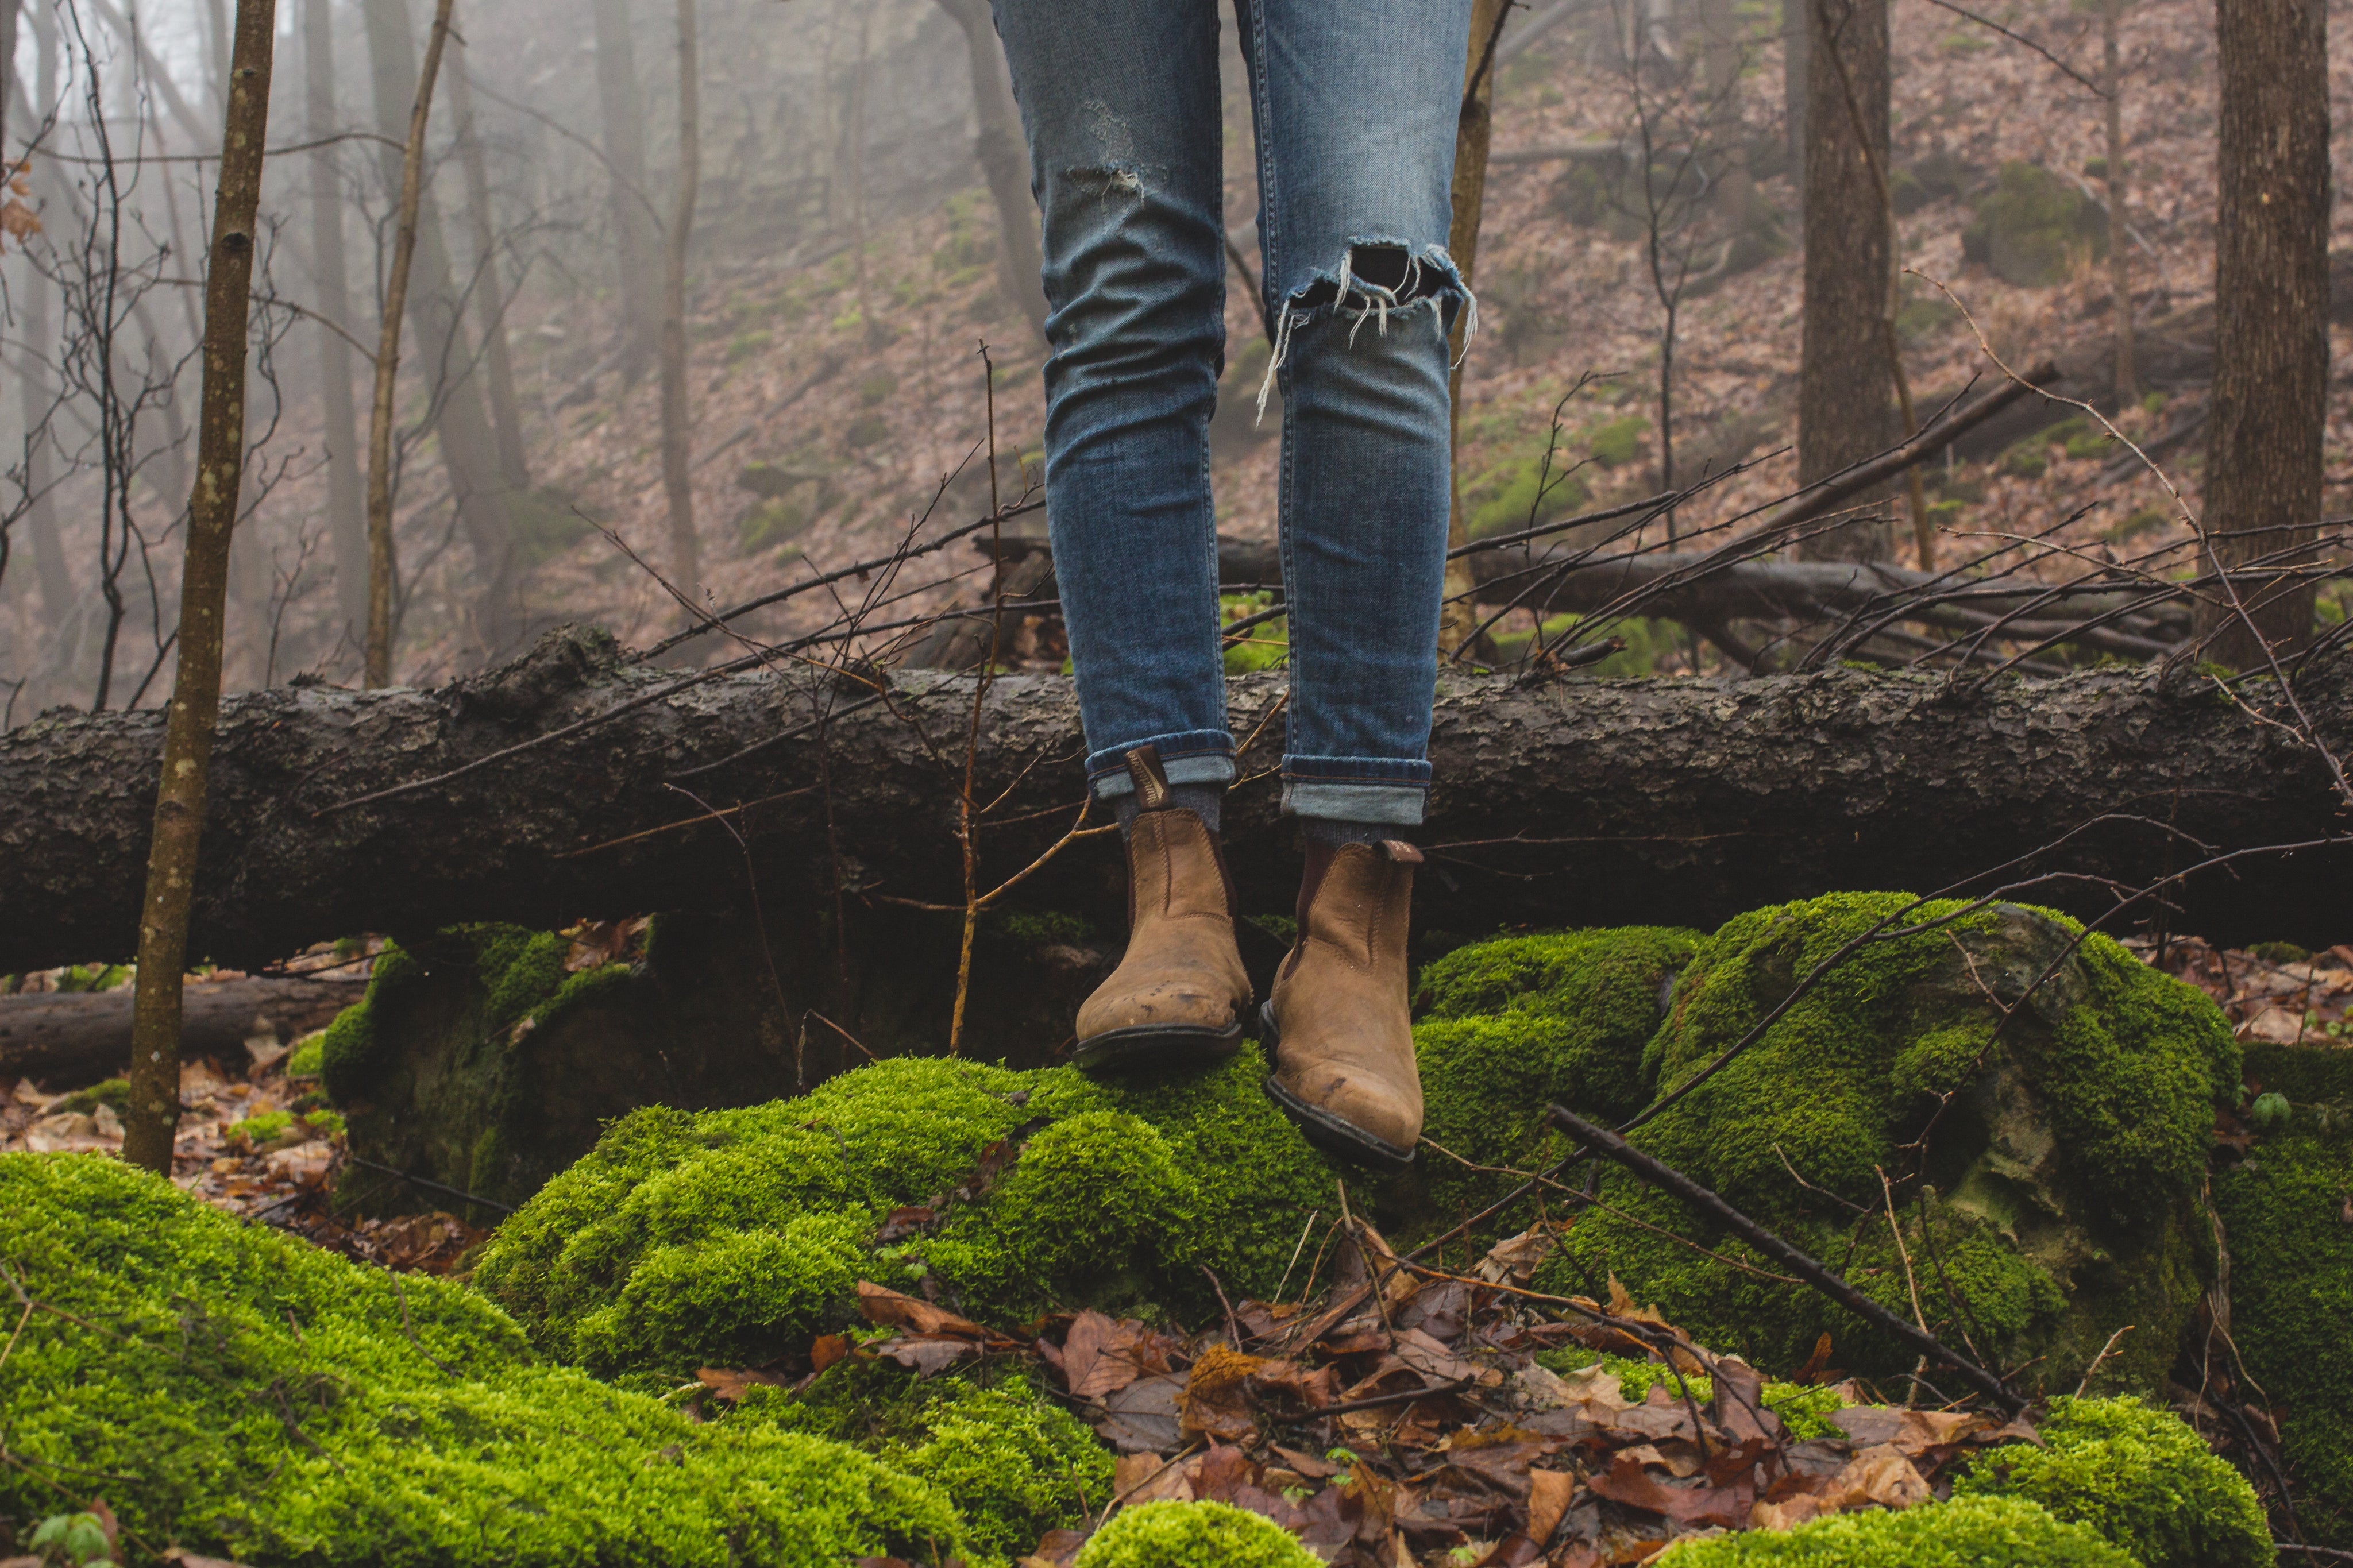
{"x":1975,"y":1532}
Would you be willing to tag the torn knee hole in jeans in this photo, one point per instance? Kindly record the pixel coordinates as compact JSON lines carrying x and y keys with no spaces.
{"x":1374,"y":278}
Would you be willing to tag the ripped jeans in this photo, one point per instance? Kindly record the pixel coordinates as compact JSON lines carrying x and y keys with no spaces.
{"x":1356,"y":107}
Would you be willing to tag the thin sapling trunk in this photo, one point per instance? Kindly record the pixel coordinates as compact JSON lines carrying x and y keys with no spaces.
{"x":203,"y":588}
{"x":685,"y":559}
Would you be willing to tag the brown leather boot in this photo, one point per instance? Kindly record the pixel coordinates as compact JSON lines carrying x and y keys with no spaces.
{"x":1337,"y":1027}
{"x":1179,"y":996}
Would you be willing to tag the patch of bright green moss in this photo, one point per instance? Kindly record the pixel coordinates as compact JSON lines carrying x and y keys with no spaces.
{"x":309,"y":1054}
{"x":113,"y":1092}
{"x":2061,"y":1181}
{"x":1193,"y":1535}
{"x":2139,"y":1477}
{"x":2291,"y":1297}
{"x":1967,"y":1533}
{"x":729,"y":1236}
{"x":1804,"y":1409}
{"x":1514,"y":1025}
{"x":272,"y":1402}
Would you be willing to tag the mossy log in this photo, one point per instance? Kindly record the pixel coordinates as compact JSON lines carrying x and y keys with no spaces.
{"x":64,"y":1039}
{"x":1601,"y":802}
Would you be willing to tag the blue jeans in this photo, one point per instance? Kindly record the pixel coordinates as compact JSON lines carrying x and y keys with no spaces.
{"x":1355,"y":106}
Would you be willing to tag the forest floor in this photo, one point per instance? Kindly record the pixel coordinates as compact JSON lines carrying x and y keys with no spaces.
{"x":861,"y":386}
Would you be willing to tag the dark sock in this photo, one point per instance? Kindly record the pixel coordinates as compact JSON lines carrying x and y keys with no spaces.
{"x":1332,"y":830}
{"x":1203,"y":801}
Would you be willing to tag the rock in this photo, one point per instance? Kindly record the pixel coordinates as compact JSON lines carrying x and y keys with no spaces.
{"x":2033,"y":226}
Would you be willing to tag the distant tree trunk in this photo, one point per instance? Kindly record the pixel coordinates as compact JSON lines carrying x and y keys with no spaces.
{"x":623,"y":112}
{"x":1845,"y":402}
{"x":1473,"y":131}
{"x":346,"y":497}
{"x":204,"y":587}
{"x":382,"y":573}
{"x":2120,"y":263}
{"x":444,"y":354}
{"x":677,"y":471}
{"x":489,"y":290}
{"x":38,"y":345}
{"x":1003,"y":157}
{"x":217,"y":42}
{"x":1797,"y":28}
{"x":2271,"y":316}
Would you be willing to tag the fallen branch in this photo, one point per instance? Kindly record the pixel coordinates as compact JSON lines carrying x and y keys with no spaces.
{"x":1667,"y":1179}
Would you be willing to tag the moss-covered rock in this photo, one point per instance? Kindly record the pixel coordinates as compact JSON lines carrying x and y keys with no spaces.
{"x":1013,"y":1465}
{"x":1967,"y":1533}
{"x":2064,"y":1157}
{"x":2282,"y":1210}
{"x":1193,"y":1535}
{"x":733,"y":1235}
{"x":252,"y":1397}
{"x":2035,"y":226}
{"x":1513,"y":1024}
{"x":2140,"y":1477}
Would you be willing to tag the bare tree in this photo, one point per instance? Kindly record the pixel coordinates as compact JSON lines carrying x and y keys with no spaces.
{"x":2270,"y":319}
{"x":382,"y":565}
{"x":622,"y":112}
{"x":1845,"y":403}
{"x":677,"y":468}
{"x":195,"y":694}
{"x":346,"y":496}
{"x":490,"y":289}
{"x":1003,"y":155}
{"x":1474,"y":130}
{"x":2112,"y":82}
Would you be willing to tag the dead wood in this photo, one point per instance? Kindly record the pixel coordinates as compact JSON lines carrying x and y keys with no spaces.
{"x":65,"y":1040}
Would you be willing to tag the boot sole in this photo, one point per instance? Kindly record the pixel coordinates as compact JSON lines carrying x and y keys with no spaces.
{"x":1323,"y":1129}
{"x":1144,"y":1046}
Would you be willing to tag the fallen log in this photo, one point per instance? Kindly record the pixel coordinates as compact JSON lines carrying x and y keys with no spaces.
{"x":65,"y":1040}
{"x":1681,"y":801}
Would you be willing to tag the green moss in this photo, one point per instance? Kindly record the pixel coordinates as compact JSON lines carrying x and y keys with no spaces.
{"x":1193,"y":1535}
{"x":1804,"y":1409}
{"x":1972,"y":1532}
{"x":2139,"y":1477}
{"x":2033,"y":226}
{"x":308,"y":1057}
{"x":1517,"y":1024}
{"x":734,"y":1234}
{"x":2060,"y":1187}
{"x":2291,"y":1297}
{"x":1042,"y":928}
{"x":2308,"y":1074}
{"x":262,"y":1128}
{"x":1524,"y":494}
{"x":2280,"y":952}
{"x":1619,"y":442}
{"x":351,"y":1057}
{"x":272,"y":1402}
{"x":113,"y":1092}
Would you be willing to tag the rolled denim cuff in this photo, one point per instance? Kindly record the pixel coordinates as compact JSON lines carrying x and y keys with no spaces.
{"x":1356,"y":789}
{"x":1188,"y":757}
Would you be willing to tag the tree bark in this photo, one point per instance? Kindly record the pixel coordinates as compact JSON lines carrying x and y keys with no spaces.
{"x":444,"y":348}
{"x":383,"y":573}
{"x":623,"y":113}
{"x":1845,"y":394}
{"x":2112,"y":80}
{"x":34,"y":386}
{"x":2271,"y":314}
{"x":347,"y":528}
{"x":678,"y":467}
{"x":1003,"y":155}
{"x":1474,"y":133}
{"x":1588,"y":802}
{"x":175,"y":839}
{"x":490,"y":289}
{"x":64,"y":1040}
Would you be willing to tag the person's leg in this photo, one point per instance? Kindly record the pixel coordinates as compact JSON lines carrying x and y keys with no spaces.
{"x":1357,"y":112}
{"x":1120,"y":101}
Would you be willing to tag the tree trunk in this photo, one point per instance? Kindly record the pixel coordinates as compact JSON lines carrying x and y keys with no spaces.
{"x":1797,"y":28}
{"x":34,"y":387}
{"x":445,"y":350}
{"x":383,"y":575}
{"x":623,"y":113}
{"x":1003,"y":157}
{"x":1473,"y":133}
{"x":1587,"y":802}
{"x":346,"y":495}
{"x":490,"y":289}
{"x":71,"y":1039}
{"x":2119,"y":261}
{"x":1845,"y":395}
{"x":678,"y":469}
{"x":2271,"y":316}
{"x":179,"y":820}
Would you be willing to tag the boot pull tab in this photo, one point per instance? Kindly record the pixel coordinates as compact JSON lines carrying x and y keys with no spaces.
{"x":1151,"y":781}
{"x":1400,"y":853}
